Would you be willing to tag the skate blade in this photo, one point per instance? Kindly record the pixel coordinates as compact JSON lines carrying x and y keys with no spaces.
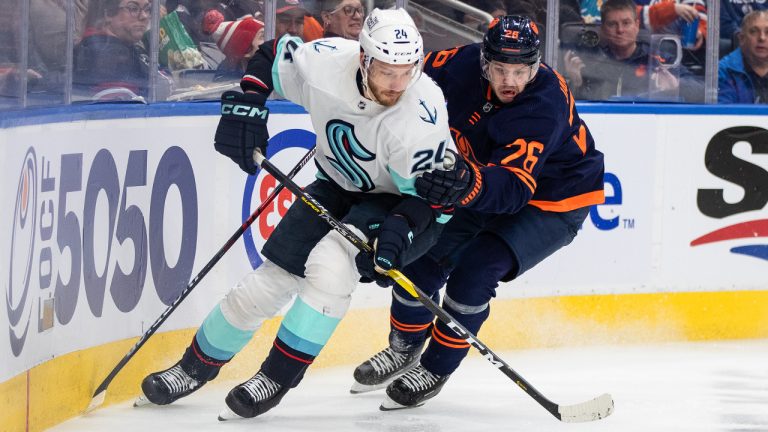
{"x":389,"y":405}
{"x":227,"y":414}
{"x":142,"y":401}
{"x":358,"y":388}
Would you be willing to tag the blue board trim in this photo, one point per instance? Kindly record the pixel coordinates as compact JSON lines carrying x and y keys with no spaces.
{"x":110,"y":111}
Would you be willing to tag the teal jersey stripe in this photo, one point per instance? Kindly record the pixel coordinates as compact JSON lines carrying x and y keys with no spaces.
{"x":298,"y":343}
{"x":408,"y":187}
{"x":220,"y":339}
{"x":404,"y":185}
{"x":278,"y":54}
{"x":443,"y":218}
{"x":308,"y":326}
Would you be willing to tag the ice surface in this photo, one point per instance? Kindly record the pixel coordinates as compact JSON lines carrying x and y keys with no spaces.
{"x":696,"y":387}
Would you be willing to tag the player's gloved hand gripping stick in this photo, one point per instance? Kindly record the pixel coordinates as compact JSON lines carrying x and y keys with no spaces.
{"x":101,"y":391}
{"x":595,"y":409}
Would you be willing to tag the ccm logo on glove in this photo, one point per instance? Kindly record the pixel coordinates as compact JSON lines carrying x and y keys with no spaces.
{"x":244,"y":110}
{"x":242,"y":128}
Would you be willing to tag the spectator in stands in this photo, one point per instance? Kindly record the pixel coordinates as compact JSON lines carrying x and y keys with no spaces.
{"x":234,"y":10}
{"x":733,"y":12}
{"x":10,"y":59}
{"x":496,"y":8}
{"x":110,"y":61}
{"x":743,"y":74}
{"x":537,"y":11}
{"x":342,"y":18}
{"x":192,"y":12}
{"x":292,"y":17}
{"x":46,"y":53}
{"x":48,"y":35}
{"x":10,"y":82}
{"x":620,"y":67}
{"x":668,"y":16}
{"x":238,"y":40}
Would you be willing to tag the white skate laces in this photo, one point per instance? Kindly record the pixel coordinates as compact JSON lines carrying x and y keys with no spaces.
{"x":261,"y":387}
{"x":419,"y":379}
{"x":177,"y":380}
{"x":387,"y":361}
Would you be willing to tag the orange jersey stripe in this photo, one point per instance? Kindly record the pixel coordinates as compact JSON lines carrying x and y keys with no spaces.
{"x":572,"y":203}
{"x":476,"y":187}
{"x":526,"y":178}
{"x":448,"y":341}
{"x":411,"y":328}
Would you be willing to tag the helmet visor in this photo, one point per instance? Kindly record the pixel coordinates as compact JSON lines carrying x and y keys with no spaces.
{"x":518,"y":74}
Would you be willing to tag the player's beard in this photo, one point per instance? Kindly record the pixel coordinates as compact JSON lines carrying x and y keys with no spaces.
{"x":387,"y":98}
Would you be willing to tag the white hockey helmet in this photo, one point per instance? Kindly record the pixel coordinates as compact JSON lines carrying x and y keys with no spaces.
{"x":390,"y":36}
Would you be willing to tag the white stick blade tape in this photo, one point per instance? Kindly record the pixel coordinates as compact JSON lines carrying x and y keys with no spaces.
{"x":596,"y":409}
{"x":97,"y":401}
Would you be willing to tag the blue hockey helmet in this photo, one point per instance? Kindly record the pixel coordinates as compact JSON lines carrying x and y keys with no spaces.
{"x":512,"y":39}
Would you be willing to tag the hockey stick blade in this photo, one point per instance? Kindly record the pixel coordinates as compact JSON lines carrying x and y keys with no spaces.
{"x":101,"y":391}
{"x":596,"y":409}
{"x":97,"y":400}
{"x":591,"y":410}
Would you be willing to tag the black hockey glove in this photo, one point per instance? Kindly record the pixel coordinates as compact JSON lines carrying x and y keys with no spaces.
{"x":446,"y":188}
{"x":368,"y":274}
{"x":364,"y":260}
{"x":393,"y":237}
{"x":242,"y":128}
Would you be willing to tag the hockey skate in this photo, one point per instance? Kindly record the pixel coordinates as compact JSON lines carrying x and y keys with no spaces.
{"x":381,"y":369}
{"x":413,"y":389}
{"x":253,"y":397}
{"x":164,"y":387}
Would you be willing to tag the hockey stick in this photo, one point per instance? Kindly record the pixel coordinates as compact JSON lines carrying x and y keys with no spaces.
{"x":595,"y":409}
{"x":101,"y":392}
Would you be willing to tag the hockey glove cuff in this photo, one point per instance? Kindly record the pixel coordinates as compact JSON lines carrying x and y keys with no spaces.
{"x":242,"y":128}
{"x":459,"y":186}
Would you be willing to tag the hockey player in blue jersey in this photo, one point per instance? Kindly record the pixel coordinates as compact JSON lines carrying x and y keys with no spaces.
{"x":528,"y":174}
{"x":380,"y":124}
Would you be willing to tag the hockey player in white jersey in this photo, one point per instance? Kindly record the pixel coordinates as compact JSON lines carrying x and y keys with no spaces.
{"x":379,"y":125}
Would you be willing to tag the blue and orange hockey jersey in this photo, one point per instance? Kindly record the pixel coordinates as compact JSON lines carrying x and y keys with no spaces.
{"x":534,"y":150}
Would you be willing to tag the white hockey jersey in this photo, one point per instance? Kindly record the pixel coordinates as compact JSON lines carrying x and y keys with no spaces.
{"x":361,"y":145}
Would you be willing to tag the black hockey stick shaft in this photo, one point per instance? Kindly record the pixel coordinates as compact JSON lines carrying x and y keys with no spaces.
{"x":555,"y":409}
{"x":100,"y":393}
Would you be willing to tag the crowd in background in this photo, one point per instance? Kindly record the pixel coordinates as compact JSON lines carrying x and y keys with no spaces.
{"x":640,"y":50}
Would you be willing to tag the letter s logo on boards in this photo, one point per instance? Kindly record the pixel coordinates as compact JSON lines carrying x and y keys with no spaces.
{"x":752,"y":178}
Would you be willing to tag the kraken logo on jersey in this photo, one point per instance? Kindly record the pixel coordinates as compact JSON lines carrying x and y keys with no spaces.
{"x":346,"y":147}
